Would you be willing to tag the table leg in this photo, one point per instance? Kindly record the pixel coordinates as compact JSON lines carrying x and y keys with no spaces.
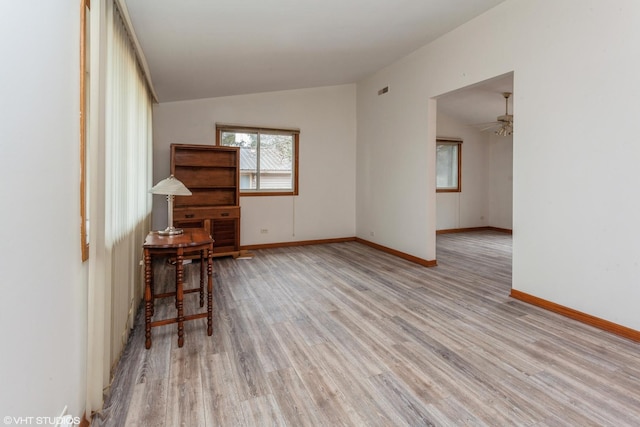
{"x":202,"y":252}
{"x":209,"y":290}
{"x":153,"y":291}
{"x":148,"y":299}
{"x":179,"y":295}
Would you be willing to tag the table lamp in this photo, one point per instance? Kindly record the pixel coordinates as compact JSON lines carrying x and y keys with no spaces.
{"x":171,"y":187}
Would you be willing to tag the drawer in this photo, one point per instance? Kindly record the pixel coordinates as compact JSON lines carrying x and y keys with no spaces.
{"x":206,"y":212}
{"x":196,"y":223}
{"x":231,"y":212}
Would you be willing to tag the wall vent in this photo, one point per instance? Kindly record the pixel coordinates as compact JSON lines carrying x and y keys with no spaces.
{"x":383,"y":90}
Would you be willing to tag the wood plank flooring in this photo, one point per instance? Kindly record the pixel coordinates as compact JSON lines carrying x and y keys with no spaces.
{"x":344,"y":335}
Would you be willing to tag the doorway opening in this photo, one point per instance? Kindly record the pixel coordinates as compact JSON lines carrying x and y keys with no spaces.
{"x":478,"y":115}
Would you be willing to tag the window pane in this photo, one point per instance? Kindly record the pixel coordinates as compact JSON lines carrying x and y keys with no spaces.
{"x":447,"y":166}
{"x":248,"y":143}
{"x":276,"y":154}
{"x":268,"y":159}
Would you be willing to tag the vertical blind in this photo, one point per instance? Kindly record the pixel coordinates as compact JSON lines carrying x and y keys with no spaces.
{"x":128,"y":177}
{"x":128,"y":135}
{"x":123,"y":215}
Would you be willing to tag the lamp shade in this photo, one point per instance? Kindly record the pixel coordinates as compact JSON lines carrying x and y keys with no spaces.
{"x":170,"y":186}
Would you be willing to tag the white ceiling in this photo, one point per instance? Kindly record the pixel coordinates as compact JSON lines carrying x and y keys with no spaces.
{"x":479,"y":103}
{"x":206,"y":48}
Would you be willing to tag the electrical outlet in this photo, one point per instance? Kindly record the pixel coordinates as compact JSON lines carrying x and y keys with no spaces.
{"x":264,"y":231}
{"x":372,"y":234}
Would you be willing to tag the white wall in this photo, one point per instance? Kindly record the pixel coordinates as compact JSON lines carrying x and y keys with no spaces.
{"x":575,"y":211}
{"x":500,"y":177}
{"x":395,"y":172}
{"x":43,"y":284}
{"x":325,"y":206}
{"x":470,"y":207}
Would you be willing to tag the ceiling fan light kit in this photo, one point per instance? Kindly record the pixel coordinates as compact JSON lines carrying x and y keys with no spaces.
{"x":505,"y":122}
{"x":507,"y":119}
{"x":505,"y":130}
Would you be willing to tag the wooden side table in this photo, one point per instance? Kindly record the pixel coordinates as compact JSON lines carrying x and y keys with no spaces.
{"x":195,"y":240}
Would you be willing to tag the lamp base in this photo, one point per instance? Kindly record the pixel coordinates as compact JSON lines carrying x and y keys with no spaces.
{"x":170,"y":231}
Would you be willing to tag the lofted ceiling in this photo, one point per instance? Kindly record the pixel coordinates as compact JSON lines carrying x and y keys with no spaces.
{"x":204,"y":48}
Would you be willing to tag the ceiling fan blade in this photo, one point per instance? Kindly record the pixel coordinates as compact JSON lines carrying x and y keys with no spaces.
{"x":485,"y":123}
{"x":488,"y":128}
{"x":484,"y":126}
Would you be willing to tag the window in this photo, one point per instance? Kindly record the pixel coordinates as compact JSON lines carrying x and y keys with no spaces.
{"x":268,"y":158}
{"x":448,"y":165}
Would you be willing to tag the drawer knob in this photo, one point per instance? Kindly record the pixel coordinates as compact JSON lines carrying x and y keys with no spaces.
{"x":189,"y":215}
{"x":224,"y":214}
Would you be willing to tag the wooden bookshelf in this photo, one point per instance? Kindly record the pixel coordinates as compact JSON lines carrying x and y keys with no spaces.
{"x":212,"y":173}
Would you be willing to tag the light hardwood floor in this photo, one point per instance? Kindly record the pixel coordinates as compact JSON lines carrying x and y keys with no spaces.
{"x":342,"y":334}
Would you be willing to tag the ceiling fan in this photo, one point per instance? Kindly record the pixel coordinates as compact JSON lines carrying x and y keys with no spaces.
{"x":504,"y":123}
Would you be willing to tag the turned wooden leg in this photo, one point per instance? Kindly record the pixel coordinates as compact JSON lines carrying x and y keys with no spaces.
{"x":179,"y":296}
{"x":148,"y":299}
{"x":202,"y":278}
{"x":153,"y":291}
{"x":209,"y":291}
